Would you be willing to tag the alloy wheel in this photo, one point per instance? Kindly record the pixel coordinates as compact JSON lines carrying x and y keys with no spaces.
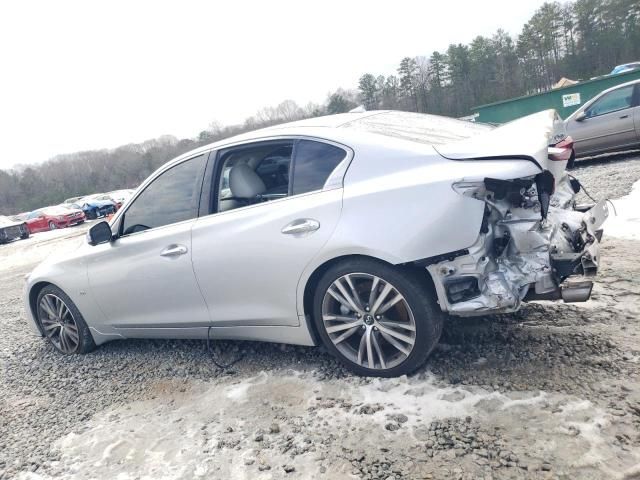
{"x":52,"y":226}
{"x":369,"y":321}
{"x":58,"y":323}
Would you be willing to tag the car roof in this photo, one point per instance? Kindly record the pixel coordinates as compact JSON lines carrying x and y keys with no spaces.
{"x":53,"y":210}
{"x":401,"y":128}
{"x":418,"y":127}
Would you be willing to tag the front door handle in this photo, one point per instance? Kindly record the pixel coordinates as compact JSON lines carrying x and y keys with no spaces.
{"x":625,"y":116}
{"x":174,"y":251}
{"x":301,"y":225}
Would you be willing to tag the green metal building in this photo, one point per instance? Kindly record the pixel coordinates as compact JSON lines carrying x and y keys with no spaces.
{"x":565,"y":100}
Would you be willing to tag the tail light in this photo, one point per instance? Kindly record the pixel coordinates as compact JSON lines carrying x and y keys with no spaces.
{"x":561,"y":151}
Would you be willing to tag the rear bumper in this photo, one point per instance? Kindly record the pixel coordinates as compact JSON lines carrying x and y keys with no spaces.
{"x":551,"y":260}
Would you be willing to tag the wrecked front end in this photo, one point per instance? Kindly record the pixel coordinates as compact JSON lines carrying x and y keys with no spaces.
{"x":535,"y":243}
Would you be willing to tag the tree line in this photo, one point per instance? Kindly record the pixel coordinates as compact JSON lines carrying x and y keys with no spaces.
{"x":577,"y":40}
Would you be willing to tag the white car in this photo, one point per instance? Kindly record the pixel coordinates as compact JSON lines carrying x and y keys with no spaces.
{"x":121,"y":196}
{"x":360,"y":231}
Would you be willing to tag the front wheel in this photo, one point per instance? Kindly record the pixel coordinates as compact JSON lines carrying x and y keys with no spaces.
{"x":62,"y":323}
{"x":377,"y":319}
{"x":52,"y":226}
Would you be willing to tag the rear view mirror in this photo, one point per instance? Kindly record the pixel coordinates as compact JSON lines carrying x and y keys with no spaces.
{"x":99,"y":233}
{"x":580,"y":117}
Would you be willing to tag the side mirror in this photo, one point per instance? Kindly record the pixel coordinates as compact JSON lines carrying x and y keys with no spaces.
{"x":99,"y":233}
{"x":580,"y":117}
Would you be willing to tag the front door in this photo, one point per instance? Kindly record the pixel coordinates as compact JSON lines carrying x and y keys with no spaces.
{"x":144,"y":279}
{"x":37,"y":222}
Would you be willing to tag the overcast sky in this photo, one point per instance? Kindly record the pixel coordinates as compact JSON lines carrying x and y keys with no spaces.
{"x":88,"y":75}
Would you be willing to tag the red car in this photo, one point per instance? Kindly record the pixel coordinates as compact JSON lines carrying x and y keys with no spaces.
{"x":50,"y":218}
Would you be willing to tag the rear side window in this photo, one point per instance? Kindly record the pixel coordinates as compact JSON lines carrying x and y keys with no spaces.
{"x":171,"y":198}
{"x":314,"y":162}
{"x":617,"y":100}
{"x":274,"y":170}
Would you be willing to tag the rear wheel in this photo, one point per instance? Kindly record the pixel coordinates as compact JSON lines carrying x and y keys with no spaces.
{"x":24,"y":232}
{"x":62,"y":323}
{"x":377,"y":319}
{"x":52,"y":226}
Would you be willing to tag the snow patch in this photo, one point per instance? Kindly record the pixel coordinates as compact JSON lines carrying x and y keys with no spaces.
{"x":624,"y":219}
{"x":210,"y":430}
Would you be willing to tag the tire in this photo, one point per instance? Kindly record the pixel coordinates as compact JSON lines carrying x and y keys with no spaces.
{"x":24,"y":232}
{"x":414,"y":314}
{"x":76,"y":340}
{"x":52,"y":225}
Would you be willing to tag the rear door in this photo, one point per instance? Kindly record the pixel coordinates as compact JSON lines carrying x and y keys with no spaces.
{"x":609,"y":123}
{"x":248,"y":258}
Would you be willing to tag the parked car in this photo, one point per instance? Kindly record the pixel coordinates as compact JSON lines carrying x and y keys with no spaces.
{"x":377,"y":226}
{"x":50,"y":218}
{"x":121,"y":196}
{"x":109,"y":198}
{"x":72,"y":200}
{"x":627,"y":67}
{"x":20,"y":217}
{"x":11,"y":229}
{"x":94,"y":208}
{"x":608,"y":122}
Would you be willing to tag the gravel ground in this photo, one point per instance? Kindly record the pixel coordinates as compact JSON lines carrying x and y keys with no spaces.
{"x":550,"y":392}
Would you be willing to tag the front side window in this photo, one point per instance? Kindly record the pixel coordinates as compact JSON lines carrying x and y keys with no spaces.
{"x":314,"y":162}
{"x":171,"y":198}
{"x":617,"y":100}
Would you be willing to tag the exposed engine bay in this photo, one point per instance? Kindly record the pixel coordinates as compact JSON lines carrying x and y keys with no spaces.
{"x":535,"y":243}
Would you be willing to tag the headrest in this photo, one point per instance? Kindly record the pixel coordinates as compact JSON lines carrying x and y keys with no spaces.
{"x":244,"y":182}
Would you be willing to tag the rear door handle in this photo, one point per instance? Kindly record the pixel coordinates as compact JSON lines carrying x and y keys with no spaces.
{"x":174,"y":251}
{"x":624,"y":116}
{"x":301,"y":225}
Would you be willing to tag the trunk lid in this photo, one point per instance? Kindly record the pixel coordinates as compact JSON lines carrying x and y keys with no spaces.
{"x":526,"y":138}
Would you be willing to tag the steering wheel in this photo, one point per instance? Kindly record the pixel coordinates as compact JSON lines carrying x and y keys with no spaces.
{"x":138,"y":227}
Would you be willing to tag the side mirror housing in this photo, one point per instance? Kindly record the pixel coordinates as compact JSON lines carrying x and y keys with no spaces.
{"x":581,"y":116}
{"x":99,"y":233}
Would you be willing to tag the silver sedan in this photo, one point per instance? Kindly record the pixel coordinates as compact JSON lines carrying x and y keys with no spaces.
{"x":608,"y":122}
{"x":360,"y":231}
